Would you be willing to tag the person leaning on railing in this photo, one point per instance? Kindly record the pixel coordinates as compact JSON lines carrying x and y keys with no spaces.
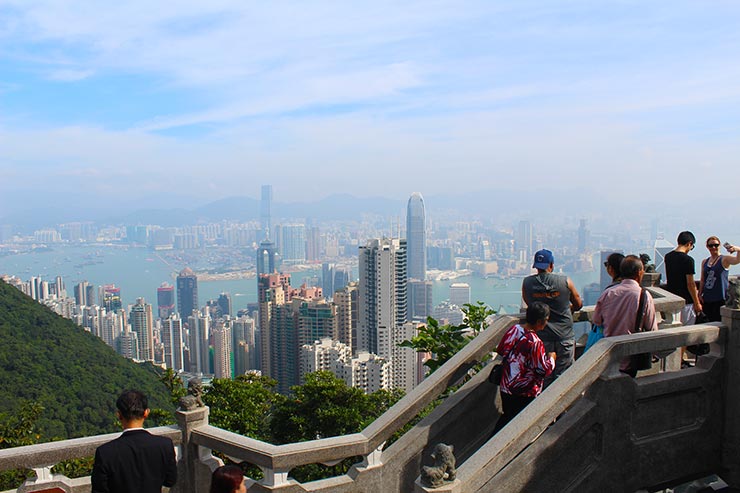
{"x":617,"y":308}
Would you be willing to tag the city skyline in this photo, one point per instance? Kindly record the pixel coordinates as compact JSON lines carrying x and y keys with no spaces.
{"x":189,"y":102}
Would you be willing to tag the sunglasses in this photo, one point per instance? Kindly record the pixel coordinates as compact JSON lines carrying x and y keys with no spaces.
{"x":713,"y":245}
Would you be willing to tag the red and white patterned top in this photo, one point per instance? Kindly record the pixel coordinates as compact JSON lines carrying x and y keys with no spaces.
{"x":526,"y":364}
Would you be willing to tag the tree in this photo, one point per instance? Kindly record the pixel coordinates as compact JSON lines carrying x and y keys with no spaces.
{"x":444,"y":341}
{"x":243,"y":405}
{"x":322,"y":407}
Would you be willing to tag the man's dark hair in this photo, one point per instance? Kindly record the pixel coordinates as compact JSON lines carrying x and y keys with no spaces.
{"x":536,"y":312}
{"x":614,"y":261}
{"x":630,"y":267}
{"x":132,"y":404}
{"x":686,"y":237}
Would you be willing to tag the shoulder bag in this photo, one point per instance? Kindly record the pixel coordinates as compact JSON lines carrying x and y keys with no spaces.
{"x":642,"y":361}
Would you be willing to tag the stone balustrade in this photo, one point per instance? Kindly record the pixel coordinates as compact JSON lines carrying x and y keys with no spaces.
{"x":464,"y":418}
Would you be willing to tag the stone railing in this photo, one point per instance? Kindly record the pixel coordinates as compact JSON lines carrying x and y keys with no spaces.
{"x":392,"y":468}
{"x":615,"y":433}
{"x":43,"y":457}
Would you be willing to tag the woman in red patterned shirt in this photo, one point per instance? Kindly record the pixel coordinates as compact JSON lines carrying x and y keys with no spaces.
{"x":525,"y":364}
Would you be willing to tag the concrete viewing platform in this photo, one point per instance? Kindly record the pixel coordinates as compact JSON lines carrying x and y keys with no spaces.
{"x":594,"y":429}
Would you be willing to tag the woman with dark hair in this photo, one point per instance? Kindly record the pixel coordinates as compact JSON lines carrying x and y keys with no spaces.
{"x":228,"y":479}
{"x":714,"y":277}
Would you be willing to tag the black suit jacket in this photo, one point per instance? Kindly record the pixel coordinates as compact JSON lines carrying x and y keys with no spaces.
{"x":135,"y":462}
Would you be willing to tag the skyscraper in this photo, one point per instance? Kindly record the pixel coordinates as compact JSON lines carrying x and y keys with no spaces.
{"x":112,"y":298}
{"x":420,"y":299}
{"x":416,"y":241}
{"x":198,"y":328}
{"x":268,"y":260}
{"x":292,"y":245}
{"x":224,"y":303}
{"x":142,"y":324}
{"x":187,"y":293}
{"x":165,"y":300}
{"x":173,"y":340}
{"x":266,"y":211}
{"x":382,"y":294}
{"x":459,"y":293}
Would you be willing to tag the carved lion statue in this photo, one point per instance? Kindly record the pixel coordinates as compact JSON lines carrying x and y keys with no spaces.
{"x":193,"y":400}
{"x":733,"y":300}
{"x":645,"y":258}
{"x":443,"y":468}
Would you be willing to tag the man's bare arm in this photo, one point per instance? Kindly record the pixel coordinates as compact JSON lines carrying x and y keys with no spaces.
{"x":575,"y":299}
{"x":693,"y":292}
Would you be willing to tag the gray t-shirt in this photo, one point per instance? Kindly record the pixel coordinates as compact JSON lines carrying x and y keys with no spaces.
{"x":552,"y":289}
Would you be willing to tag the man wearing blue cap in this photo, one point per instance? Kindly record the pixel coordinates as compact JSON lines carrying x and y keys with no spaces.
{"x":558,"y":292}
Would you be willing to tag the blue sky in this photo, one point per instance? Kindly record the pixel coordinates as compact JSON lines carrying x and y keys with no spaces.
{"x":143,"y":102}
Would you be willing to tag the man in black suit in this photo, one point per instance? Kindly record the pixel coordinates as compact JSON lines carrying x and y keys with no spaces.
{"x":137,"y":461}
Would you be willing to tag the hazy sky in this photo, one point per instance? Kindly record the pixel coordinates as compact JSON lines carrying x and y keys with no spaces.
{"x":122,"y":101}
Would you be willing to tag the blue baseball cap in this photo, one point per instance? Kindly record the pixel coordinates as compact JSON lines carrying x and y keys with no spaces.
{"x":542,"y":259}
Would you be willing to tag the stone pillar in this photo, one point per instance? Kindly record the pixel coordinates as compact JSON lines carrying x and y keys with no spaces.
{"x":193,"y":474}
{"x":731,"y":438}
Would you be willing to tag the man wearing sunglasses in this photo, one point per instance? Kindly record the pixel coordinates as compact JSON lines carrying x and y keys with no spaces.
{"x":679,"y":271}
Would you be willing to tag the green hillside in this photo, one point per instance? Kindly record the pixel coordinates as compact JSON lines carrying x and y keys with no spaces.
{"x":74,"y":375}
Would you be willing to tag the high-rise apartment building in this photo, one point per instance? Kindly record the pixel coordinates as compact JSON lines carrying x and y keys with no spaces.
{"x":382,"y":294}
{"x":317,"y":319}
{"x":222,"y":367}
{"x":187,"y":293}
{"x":272,"y":290}
{"x":173,"y":339}
{"x":346,"y":301}
{"x":111,"y":296}
{"x":367,"y":371}
{"x":199,"y":332}
{"x":143,"y":324}
{"x":416,"y":240}
{"x":313,"y":243}
{"x":81,"y":294}
{"x":165,"y":300}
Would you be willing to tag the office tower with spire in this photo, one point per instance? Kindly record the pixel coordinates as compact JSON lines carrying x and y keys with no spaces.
{"x":266,"y":211}
{"x":165,"y":300}
{"x":143,"y":324}
{"x":416,"y":240}
{"x":187,"y":293}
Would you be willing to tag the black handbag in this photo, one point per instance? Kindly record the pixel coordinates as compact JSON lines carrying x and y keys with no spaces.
{"x":495,"y":376}
{"x":642,"y":361}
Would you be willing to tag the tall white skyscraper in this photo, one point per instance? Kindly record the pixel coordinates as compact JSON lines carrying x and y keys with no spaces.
{"x":142,"y":323}
{"x":199,"y":331}
{"x":222,"y":350}
{"x":416,"y":240}
{"x":382,"y":294}
{"x":173,"y":340}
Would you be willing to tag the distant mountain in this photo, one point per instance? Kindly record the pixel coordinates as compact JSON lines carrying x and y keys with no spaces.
{"x":74,"y":375}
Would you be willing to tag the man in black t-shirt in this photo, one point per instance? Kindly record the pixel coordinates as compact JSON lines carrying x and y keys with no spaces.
{"x":679,"y":270}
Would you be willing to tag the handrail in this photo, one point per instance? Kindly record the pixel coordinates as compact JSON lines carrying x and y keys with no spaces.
{"x":54,"y":452}
{"x":603,"y":357}
{"x":375,"y":434}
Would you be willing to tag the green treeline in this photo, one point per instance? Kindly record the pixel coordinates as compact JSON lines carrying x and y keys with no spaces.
{"x":73,"y":375}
